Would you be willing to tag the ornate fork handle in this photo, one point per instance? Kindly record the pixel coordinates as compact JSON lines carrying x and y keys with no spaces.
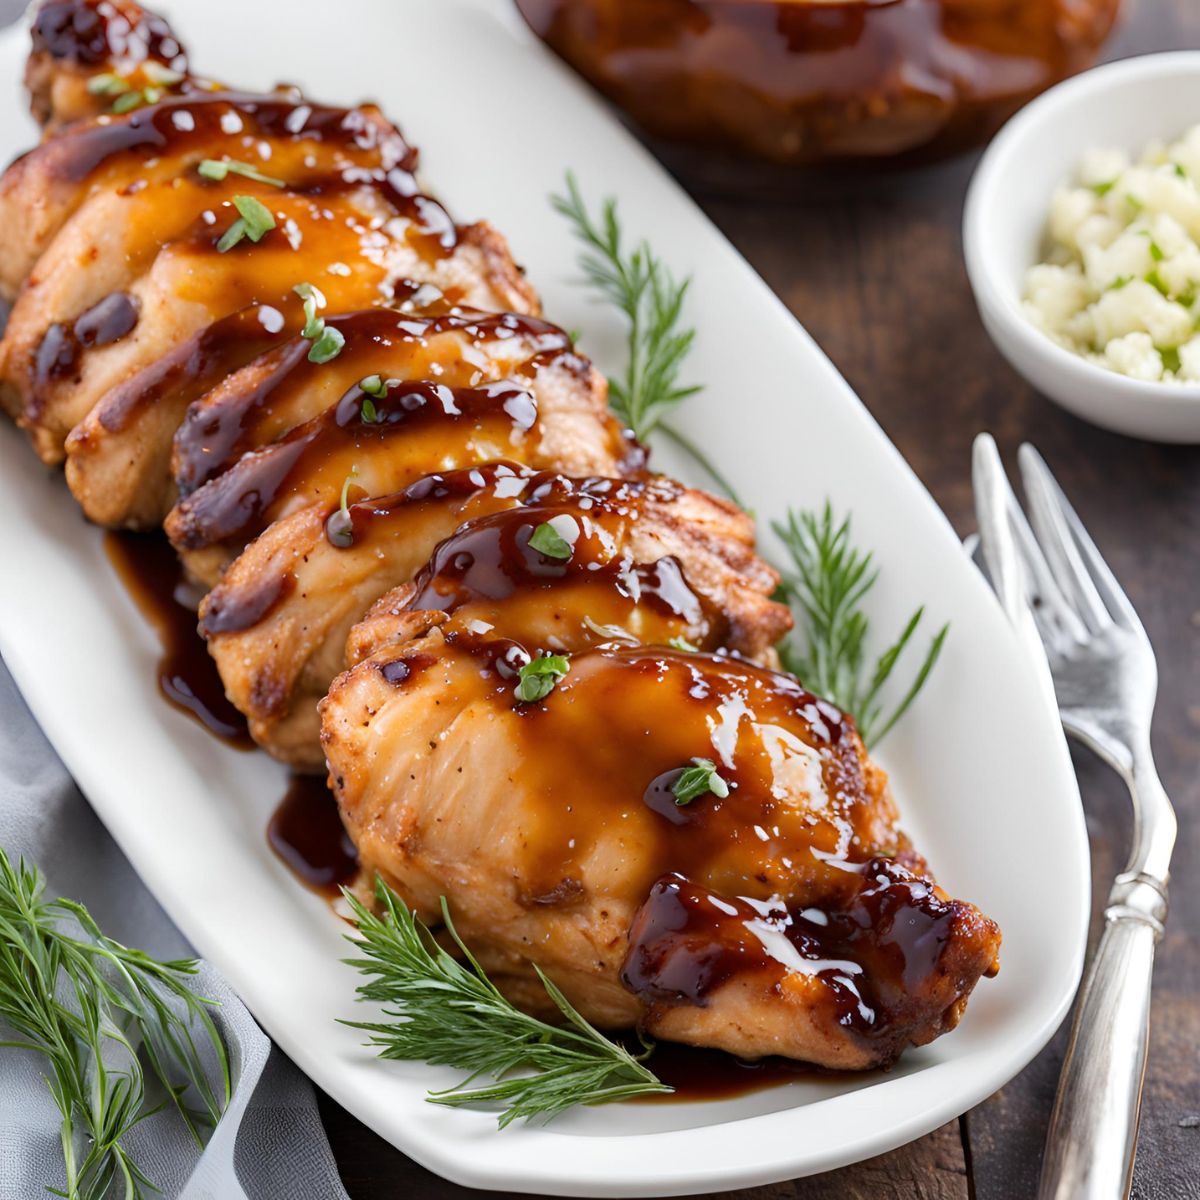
{"x":1093,"y":1128}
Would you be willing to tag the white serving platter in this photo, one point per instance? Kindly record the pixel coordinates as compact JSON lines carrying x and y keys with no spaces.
{"x":979,"y":765}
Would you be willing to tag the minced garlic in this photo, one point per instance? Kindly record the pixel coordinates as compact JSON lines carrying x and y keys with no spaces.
{"x":1121,"y":280}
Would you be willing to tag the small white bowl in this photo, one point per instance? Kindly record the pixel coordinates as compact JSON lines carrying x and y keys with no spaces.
{"x":1126,"y":104}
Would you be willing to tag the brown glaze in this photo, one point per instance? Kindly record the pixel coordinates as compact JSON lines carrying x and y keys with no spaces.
{"x":105,"y":322}
{"x":795,"y":883}
{"x":187,"y":676}
{"x":415,"y":424}
{"x":377,"y":341}
{"x":307,"y":834}
{"x":697,"y":1074}
{"x":185,"y":126}
{"x":197,"y":365}
{"x":873,"y":951}
{"x":488,"y":571}
{"x":93,"y":33}
{"x":797,"y":81}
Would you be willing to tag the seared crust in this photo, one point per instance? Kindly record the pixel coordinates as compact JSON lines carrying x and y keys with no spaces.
{"x":546,"y":859}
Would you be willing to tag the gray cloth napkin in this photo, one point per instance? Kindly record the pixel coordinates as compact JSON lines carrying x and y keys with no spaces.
{"x":270,"y":1143}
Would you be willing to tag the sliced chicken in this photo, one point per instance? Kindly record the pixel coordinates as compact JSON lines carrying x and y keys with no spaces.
{"x":76,"y":40}
{"x":770,"y":913}
{"x":650,"y":561}
{"x":548,"y":410}
{"x":118,"y":462}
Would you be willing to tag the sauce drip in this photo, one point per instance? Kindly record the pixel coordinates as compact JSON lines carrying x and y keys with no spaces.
{"x":92,"y":34}
{"x":377,"y":341}
{"x":187,"y":675}
{"x":307,"y":834}
{"x":62,"y":346}
{"x":700,"y":1074}
{"x":415,"y":422}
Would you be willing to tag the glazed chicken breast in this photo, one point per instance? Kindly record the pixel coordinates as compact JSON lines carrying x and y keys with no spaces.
{"x":775,"y":913}
{"x":648,"y":561}
{"x":542,"y":680}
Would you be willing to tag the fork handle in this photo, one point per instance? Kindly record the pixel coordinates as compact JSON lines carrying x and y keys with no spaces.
{"x":1093,"y":1128}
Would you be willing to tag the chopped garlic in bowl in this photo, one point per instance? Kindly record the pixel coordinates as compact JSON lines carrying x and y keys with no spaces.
{"x":1120,"y":285}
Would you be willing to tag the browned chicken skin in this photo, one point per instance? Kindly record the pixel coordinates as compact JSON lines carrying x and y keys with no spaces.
{"x":551,"y":827}
{"x":439,"y":500}
{"x":651,"y":561}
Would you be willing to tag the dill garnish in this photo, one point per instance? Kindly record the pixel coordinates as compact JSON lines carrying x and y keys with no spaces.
{"x":95,"y":1009}
{"x":447,"y":1012}
{"x":828,"y":580}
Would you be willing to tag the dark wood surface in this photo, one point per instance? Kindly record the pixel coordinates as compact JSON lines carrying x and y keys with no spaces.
{"x":874,"y":270}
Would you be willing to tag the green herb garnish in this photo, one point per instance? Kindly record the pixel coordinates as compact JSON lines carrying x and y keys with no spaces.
{"x":829,"y":579}
{"x":650,"y":298}
{"x":1170,"y":360}
{"x":539,"y":677}
{"x":161,"y":74}
{"x":698,"y":779}
{"x":546,"y":540}
{"x":95,"y":1010}
{"x":1179,"y":170}
{"x":446,"y":1011}
{"x":254,"y":223}
{"x":1102,"y":189}
{"x":370,"y":414}
{"x":1155,"y":280}
{"x":327,"y":342}
{"x":679,"y":643}
{"x":375,"y":385}
{"x":107,"y":84}
{"x":221,"y":168}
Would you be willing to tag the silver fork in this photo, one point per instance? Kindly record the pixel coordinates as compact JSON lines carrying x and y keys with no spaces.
{"x":1049,"y":574}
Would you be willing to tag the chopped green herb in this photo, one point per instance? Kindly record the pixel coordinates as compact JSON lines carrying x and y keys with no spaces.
{"x":696,"y":780}
{"x":548,"y":541}
{"x":679,"y":643}
{"x":1102,"y":189}
{"x":369,"y":412}
{"x":1118,"y":283}
{"x":443,"y":1009}
{"x":539,"y":676}
{"x":1156,"y":254}
{"x":328,"y":345}
{"x":826,"y":587}
{"x":1170,"y":359}
{"x":1134,"y":203}
{"x":1179,"y":171}
{"x":127,"y":101}
{"x":107,"y":84}
{"x":347,"y":484}
{"x":220,"y":168}
{"x":161,"y":74}
{"x":254,"y":223}
{"x":375,"y":385}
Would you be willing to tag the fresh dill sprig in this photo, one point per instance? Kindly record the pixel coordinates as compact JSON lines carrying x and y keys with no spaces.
{"x":652,"y":301}
{"x":94,"y":1009}
{"x":829,"y":579}
{"x":447,"y":1012}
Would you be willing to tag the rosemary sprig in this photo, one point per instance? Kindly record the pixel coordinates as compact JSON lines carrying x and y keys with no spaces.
{"x":651,"y":299}
{"x":447,"y":1012}
{"x":827,"y":584}
{"x":94,"y":1008}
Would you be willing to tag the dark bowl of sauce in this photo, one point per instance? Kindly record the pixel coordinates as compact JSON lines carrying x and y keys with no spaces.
{"x":800,"y":82}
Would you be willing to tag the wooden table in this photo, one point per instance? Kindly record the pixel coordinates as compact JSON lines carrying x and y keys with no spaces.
{"x":876,"y":275}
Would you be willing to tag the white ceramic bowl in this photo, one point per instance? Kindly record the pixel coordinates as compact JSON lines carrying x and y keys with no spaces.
{"x":1127,"y":104}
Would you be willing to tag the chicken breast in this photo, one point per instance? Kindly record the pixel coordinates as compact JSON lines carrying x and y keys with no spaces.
{"x":547,"y":409}
{"x":650,"y":561}
{"x":74,"y":40}
{"x":772,"y":912}
{"x":119,"y":459}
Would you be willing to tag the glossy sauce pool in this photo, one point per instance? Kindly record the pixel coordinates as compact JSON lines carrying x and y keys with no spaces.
{"x":187,"y":675}
{"x":306,"y":833}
